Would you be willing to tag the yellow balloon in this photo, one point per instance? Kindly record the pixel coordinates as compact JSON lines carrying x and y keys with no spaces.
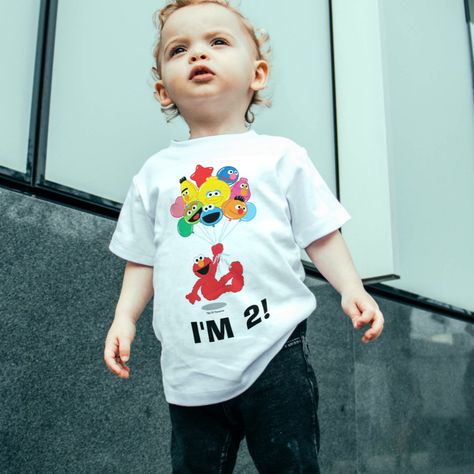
{"x":214,"y":191}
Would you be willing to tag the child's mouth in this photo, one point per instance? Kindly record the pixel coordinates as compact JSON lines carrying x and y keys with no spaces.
{"x":203,"y":77}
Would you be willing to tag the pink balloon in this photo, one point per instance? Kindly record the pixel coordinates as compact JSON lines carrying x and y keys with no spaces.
{"x":177,"y":209}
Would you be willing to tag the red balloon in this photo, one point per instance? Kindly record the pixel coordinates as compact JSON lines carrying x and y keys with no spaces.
{"x":201,"y":174}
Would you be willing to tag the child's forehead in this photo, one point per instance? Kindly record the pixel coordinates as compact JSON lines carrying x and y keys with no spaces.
{"x":196,"y":18}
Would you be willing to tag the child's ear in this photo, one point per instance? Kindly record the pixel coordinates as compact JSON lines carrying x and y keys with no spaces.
{"x":262,"y":70}
{"x":161,"y":94}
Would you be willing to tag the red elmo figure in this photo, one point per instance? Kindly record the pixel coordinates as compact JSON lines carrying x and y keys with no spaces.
{"x":211,"y":288}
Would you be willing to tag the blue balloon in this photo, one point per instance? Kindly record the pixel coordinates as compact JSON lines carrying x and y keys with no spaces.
{"x":228,"y":174}
{"x":251,"y":211}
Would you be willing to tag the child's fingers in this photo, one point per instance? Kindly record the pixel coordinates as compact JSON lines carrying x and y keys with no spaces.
{"x":119,"y":368}
{"x":124,"y":370}
{"x":366,"y":316}
{"x":113,"y":360}
{"x":376,"y":328}
{"x":124,"y":345}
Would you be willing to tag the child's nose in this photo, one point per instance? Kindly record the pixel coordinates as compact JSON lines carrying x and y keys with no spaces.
{"x":196,"y":56}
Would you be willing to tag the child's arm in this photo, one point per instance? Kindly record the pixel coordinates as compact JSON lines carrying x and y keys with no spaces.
{"x":331,"y":257}
{"x":137,"y":289}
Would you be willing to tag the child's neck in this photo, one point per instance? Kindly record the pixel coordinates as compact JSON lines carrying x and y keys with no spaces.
{"x":206,"y":131}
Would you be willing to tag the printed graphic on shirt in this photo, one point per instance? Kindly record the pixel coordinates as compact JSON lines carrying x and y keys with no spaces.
{"x":211,"y":208}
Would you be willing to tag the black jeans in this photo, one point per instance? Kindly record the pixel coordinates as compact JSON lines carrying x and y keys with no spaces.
{"x":277,"y":415}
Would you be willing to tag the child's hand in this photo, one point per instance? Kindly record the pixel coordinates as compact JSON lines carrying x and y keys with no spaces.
{"x":117,"y":346}
{"x":363,"y":309}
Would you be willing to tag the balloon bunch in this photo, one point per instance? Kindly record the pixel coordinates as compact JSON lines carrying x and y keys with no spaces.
{"x":210,"y":204}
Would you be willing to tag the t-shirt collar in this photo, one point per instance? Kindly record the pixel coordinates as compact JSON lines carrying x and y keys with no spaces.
{"x":215,"y":139}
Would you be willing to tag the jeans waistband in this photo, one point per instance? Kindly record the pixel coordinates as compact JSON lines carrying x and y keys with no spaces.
{"x":297,"y":335}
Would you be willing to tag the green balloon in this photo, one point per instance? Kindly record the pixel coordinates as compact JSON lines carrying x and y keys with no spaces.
{"x":184,"y":229}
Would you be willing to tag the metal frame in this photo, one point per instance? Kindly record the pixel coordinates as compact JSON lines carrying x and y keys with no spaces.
{"x":374,"y":286}
{"x":470,"y":19}
{"x":33,"y":182}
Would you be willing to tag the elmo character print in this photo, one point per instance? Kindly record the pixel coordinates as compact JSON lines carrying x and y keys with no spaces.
{"x":212,"y":207}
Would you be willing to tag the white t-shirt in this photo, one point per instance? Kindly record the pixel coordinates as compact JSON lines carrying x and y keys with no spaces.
{"x":222,"y":219}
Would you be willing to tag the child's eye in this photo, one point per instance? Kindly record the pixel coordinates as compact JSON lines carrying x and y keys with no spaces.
{"x":220,"y":39}
{"x":173,"y":51}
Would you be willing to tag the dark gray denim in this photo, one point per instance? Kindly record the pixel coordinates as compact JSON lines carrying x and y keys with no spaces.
{"x":277,"y":415}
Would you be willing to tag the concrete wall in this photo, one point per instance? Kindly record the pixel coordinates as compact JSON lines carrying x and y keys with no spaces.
{"x":402,"y":402}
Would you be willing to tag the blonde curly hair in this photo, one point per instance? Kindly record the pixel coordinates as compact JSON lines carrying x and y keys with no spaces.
{"x":261,"y":40}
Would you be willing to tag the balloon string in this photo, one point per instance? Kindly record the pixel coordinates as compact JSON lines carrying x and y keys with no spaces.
{"x":220,"y":230}
{"x":201,"y":237}
{"x":204,"y":237}
{"x":224,"y":227}
{"x":224,"y":261}
{"x":231,"y":230}
{"x":206,"y":231}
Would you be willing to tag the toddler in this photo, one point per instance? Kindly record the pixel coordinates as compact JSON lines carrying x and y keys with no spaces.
{"x":212,"y":227}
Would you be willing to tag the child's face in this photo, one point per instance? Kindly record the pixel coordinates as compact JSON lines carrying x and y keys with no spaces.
{"x":228,"y":52}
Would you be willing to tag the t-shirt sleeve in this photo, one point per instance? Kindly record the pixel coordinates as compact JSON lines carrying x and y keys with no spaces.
{"x":133,"y":236}
{"x":315,"y":211}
